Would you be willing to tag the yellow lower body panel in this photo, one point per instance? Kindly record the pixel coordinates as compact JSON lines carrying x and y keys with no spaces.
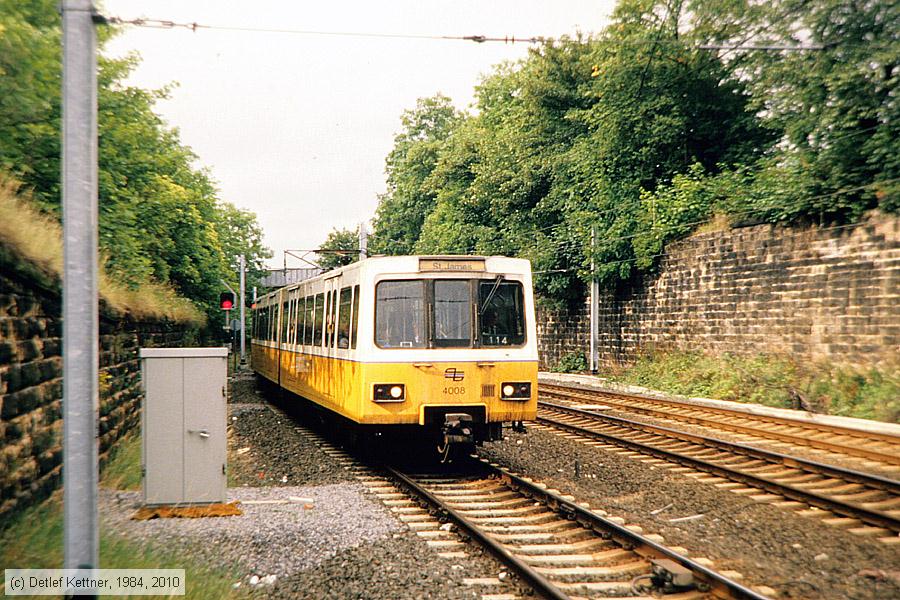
{"x":346,"y":387}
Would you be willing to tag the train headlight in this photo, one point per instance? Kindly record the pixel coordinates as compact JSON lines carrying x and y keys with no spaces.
{"x":516,"y":390}
{"x":389,"y":392}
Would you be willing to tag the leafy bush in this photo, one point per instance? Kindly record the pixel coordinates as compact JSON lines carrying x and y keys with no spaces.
{"x":573,"y":362}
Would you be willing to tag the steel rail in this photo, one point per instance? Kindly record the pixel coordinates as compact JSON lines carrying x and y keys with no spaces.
{"x":537,"y":581}
{"x":870,"y":480}
{"x":871,"y":517}
{"x":709,"y":581}
{"x":840,"y":448}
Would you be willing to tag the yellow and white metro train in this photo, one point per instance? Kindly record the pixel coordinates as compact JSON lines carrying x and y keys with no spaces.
{"x":442,"y":345}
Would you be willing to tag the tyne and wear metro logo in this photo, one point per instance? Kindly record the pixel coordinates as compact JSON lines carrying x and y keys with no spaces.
{"x":454,"y":374}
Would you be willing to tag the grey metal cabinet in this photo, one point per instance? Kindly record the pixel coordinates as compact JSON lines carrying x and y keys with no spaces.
{"x":183,"y":424}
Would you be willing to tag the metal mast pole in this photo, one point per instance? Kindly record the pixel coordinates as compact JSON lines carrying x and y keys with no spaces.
{"x":243,"y":304}
{"x":595,"y":308}
{"x":79,"y":288}
{"x":363,"y":242}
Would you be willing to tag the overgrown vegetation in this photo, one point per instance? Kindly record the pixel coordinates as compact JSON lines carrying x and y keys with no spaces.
{"x":573,"y":362}
{"x":162,"y":222}
{"x":771,"y":380}
{"x":37,"y":238}
{"x":34,"y":538}
{"x":123,"y":471}
{"x":638,"y":135}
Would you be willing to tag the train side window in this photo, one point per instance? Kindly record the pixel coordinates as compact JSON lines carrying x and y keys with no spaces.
{"x":355,"y":324}
{"x":319,"y":318}
{"x":344,"y":318}
{"x":301,"y":314}
{"x":284,"y":321}
{"x":400,"y":314}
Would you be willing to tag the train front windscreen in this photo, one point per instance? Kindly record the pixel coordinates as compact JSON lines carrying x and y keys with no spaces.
{"x":449,"y":313}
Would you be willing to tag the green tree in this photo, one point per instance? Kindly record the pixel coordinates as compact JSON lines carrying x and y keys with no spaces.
{"x":402,"y":209}
{"x":239,"y":234}
{"x":343,"y":247}
{"x":161,"y":219}
{"x":837,"y":107}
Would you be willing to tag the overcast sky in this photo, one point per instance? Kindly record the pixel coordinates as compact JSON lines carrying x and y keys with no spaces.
{"x":296,"y":127}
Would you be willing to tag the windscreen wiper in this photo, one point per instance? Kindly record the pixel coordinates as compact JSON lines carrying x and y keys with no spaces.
{"x":490,"y":296}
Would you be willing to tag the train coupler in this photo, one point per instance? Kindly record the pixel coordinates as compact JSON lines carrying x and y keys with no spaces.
{"x":457,"y":429}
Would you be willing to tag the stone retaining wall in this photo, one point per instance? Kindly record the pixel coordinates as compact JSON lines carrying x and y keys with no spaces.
{"x":815,"y":293}
{"x":31,"y":382}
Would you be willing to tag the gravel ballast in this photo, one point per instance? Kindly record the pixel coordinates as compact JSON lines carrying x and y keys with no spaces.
{"x":798,"y":557}
{"x":309,"y":528}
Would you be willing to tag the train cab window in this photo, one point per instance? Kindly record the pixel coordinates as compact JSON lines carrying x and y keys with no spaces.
{"x":354,"y":326}
{"x":343,"y":333}
{"x":400,"y":314}
{"x":318,"y":320}
{"x":453,"y":313}
{"x":502,"y":313}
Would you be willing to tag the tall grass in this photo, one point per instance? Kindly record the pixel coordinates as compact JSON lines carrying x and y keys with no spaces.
{"x":772,"y":380}
{"x":33,"y":540}
{"x":37,"y":238}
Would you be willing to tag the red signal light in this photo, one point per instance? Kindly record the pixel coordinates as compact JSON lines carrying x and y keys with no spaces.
{"x":226,"y":300}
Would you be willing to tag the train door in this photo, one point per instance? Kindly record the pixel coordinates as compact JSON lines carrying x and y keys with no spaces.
{"x":331,"y":326}
{"x":280,"y":323}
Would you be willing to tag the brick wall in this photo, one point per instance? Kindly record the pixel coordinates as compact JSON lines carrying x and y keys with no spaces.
{"x":814,"y":293}
{"x":31,"y":381}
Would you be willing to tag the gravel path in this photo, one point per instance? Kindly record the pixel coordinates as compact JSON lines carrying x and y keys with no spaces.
{"x":274,"y":536}
{"x":801,"y":558}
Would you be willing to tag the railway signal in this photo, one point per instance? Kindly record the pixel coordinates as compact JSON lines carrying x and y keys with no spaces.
{"x":226,"y":301}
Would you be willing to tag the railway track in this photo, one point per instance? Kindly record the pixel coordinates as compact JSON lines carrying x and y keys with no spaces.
{"x":562,"y":549}
{"x":559,"y":548}
{"x":883,"y":449}
{"x":865,"y":503}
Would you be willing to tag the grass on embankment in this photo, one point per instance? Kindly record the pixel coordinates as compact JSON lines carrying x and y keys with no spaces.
{"x":772,"y":381}
{"x":37,"y":238}
{"x":34,"y":539}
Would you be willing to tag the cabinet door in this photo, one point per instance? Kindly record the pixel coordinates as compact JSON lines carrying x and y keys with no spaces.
{"x":163,"y":439}
{"x":204,"y":429}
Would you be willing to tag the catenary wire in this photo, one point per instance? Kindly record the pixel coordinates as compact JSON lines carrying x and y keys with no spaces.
{"x":507,"y":39}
